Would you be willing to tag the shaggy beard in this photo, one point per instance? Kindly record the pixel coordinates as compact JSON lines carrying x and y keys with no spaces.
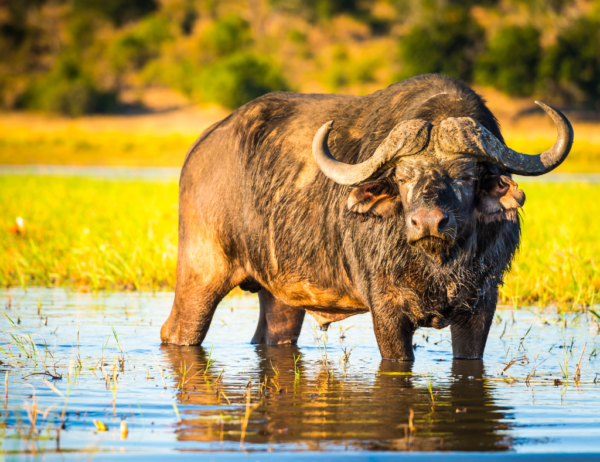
{"x":444,"y":265}
{"x":435,"y":250}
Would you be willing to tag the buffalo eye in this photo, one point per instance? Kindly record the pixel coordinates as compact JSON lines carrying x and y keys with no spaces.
{"x":466,"y":178}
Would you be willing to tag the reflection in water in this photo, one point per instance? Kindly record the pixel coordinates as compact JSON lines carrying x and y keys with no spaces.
{"x":325,"y":410}
{"x":367,"y":409}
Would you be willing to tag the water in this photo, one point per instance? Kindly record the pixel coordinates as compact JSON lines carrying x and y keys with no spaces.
{"x":460,"y":409}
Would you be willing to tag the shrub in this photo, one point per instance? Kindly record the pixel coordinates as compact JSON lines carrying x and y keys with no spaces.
{"x":239,"y":78}
{"x":67,"y":90}
{"x":136,"y":47}
{"x":117,"y":11}
{"x":227,"y":35}
{"x":320,"y":9}
{"x":571,"y":67}
{"x":445,"y":44}
{"x":510,"y":60}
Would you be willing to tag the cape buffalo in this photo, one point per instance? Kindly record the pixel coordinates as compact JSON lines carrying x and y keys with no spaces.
{"x":399,"y":203}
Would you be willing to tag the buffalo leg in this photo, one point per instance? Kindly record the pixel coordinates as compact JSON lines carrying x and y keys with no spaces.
{"x":278,"y":323}
{"x":202,"y":282}
{"x":394,"y":333}
{"x":470,"y":331}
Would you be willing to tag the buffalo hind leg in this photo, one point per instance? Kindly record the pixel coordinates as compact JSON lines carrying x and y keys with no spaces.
{"x":278,"y":323}
{"x":202,"y":282}
{"x":470,"y":331}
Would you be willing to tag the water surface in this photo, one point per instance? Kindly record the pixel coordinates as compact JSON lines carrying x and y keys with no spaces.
{"x":105,"y":362}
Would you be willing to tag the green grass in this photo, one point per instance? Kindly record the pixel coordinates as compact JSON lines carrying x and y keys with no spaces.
{"x":86,"y":233}
{"x":559,"y":260}
{"x":95,"y":235}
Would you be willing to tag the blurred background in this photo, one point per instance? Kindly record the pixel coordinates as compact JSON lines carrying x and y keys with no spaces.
{"x":121,"y":88}
{"x":189,"y":62}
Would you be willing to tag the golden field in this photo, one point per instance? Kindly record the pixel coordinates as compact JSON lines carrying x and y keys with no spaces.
{"x":162,"y":137}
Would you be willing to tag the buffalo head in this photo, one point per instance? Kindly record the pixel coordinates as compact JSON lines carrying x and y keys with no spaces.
{"x":443,"y":178}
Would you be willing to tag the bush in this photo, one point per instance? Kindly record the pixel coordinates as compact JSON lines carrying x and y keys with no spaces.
{"x":67,"y":90}
{"x":446,"y":44}
{"x":320,"y":9}
{"x":117,"y":11}
{"x":571,"y":67}
{"x":227,"y":35}
{"x":511,"y":60}
{"x":136,"y":47}
{"x":239,"y":78}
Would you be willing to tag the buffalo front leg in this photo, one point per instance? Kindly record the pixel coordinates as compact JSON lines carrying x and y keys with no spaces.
{"x":278,"y":323}
{"x":394,"y":333}
{"x":470,"y":331}
{"x":203,"y":279}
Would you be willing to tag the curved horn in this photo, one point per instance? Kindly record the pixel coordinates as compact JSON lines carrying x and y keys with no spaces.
{"x":405,"y":139}
{"x":466,"y":136}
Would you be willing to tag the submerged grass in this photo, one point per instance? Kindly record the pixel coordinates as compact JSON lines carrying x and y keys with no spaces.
{"x":98,"y":234}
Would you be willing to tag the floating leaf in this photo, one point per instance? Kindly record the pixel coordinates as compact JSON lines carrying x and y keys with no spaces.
{"x":124,"y":430}
{"x":100,"y":426}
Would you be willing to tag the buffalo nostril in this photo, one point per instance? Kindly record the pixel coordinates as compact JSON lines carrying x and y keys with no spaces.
{"x":419,"y":220}
{"x":437,"y":220}
{"x":444,"y":222}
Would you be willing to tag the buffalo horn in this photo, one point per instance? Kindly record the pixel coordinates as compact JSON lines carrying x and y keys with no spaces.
{"x":407,"y":138}
{"x":466,"y":136}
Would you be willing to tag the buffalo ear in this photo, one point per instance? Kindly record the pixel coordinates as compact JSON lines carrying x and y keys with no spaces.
{"x":376,"y":198}
{"x":499,"y":199}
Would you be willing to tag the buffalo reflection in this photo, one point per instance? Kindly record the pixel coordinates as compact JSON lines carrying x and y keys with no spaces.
{"x":324,"y":410}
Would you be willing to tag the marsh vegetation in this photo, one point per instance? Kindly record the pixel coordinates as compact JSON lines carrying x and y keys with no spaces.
{"x":83,"y":375}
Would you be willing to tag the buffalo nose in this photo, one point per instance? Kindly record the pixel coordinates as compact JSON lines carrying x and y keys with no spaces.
{"x":428,"y":223}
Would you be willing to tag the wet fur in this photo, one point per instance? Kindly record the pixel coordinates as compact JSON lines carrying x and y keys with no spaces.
{"x":284,"y":227}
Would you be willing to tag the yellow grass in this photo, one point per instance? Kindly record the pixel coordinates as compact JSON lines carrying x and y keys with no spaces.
{"x":163,"y":138}
{"x":92,"y":234}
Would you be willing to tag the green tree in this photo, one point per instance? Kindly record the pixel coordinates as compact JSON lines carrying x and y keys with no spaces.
{"x":511,"y":60}
{"x":135,"y":47}
{"x":446,"y":44}
{"x":239,"y":78}
{"x":571,"y":67}
{"x":320,"y":9}
{"x":227,"y":35}
{"x":118,"y":12}
{"x":67,"y":90}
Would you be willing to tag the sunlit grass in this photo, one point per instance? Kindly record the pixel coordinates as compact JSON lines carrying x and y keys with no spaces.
{"x":75,"y":147}
{"x":559,"y":260}
{"x":163,"y":140}
{"x":96,"y":235}
{"x":89,"y":234}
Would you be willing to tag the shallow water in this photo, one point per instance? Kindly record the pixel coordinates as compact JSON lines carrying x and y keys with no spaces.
{"x":466,"y":406}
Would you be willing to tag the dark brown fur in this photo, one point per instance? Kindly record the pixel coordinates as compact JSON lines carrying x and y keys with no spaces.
{"x":256,"y":211}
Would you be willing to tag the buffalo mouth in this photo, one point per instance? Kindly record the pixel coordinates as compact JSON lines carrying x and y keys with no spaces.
{"x":434,"y":247}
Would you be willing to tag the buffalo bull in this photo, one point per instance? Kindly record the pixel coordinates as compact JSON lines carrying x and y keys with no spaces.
{"x":399,"y":203}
